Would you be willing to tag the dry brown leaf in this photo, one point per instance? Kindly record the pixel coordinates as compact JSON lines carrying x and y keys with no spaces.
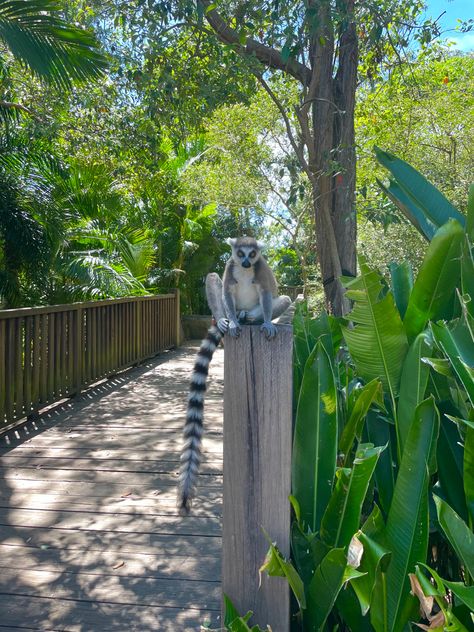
{"x":355,"y":552}
{"x":118,"y":565}
{"x":426,"y":603}
{"x":125,"y":494}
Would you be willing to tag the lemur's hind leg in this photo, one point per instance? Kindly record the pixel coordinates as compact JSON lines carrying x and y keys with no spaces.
{"x":279,"y":305}
{"x":215,"y":302}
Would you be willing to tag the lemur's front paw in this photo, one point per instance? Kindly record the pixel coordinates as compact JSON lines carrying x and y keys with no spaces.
{"x":269,"y":330}
{"x":242,"y":316}
{"x":234,"y":329}
{"x":223,"y":325}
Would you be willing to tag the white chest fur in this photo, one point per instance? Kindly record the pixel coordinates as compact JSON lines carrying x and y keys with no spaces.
{"x":245,"y":290}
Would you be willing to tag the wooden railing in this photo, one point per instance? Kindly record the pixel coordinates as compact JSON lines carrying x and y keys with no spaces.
{"x":49,"y":353}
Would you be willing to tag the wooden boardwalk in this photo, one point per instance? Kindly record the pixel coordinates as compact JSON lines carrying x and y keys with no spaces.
{"x":90,"y":539}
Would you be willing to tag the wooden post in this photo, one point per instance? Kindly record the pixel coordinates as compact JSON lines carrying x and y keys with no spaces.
{"x":177,"y":295}
{"x":257,"y":470}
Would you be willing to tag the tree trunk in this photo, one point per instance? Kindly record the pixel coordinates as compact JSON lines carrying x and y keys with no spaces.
{"x":332,"y":234}
{"x":345,"y":83}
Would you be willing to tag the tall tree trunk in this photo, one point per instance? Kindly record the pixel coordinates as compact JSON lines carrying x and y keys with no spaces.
{"x":333,"y":205}
{"x":344,"y":89}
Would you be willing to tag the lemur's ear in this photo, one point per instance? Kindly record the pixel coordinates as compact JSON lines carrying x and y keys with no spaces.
{"x":261,"y":245}
{"x":231,"y":241}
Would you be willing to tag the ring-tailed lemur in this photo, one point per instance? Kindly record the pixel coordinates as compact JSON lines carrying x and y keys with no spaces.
{"x":248,"y":293}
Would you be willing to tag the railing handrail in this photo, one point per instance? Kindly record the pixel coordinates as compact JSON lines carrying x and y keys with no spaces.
{"x":51,"y":352}
{"x":18,"y":312}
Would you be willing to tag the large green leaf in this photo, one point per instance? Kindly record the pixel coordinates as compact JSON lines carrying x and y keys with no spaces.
{"x":407,"y":522}
{"x":450,"y":455}
{"x":364,"y":398}
{"x":457,"y":343}
{"x":425,"y":199}
{"x":377,"y":342}
{"x":470,"y":215}
{"x":415,"y":374}
{"x":342,"y":516}
{"x":53,"y":50}
{"x":410,"y":208}
{"x":439,"y":275}
{"x":458,"y":534}
{"x":324,"y":588}
{"x":469,"y":473}
{"x":467,"y":276}
{"x":275,"y":565}
{"x":315,"y":438}
{"x":375,"y":559}
{"x":401,"y":277}
{"x":378,"y":432}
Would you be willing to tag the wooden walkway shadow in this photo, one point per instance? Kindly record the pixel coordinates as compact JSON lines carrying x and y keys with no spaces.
{"x":90,"y":539}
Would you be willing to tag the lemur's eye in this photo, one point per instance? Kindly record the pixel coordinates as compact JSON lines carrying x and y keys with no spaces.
{"x":252,"y":254}
{"x":240,"y":253}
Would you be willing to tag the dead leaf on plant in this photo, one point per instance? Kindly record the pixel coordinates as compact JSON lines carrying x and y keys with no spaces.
{"x":426,"y":603}
{"x":355,"y":552}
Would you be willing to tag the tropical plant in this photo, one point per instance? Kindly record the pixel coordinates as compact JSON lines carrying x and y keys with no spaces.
{"x":37,"y":36}
{"x":383,"y":435}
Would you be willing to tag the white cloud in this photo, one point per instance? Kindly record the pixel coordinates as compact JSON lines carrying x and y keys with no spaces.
{"x":463,"y":41}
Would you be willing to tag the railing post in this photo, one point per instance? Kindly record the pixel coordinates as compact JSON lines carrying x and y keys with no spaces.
{"x":177,"y":295}
{"x":78,"y":350}
{"x":257,"y":470}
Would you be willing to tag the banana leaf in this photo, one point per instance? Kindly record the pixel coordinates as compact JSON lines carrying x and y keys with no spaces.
{"x":324,"y":588}
{"x":275,"y":565}
{"x":433,"y":293}
{"x":458,"y":534}
{"x":468,"y":468}
{"x":467,"y":276}
{"x":423,"y":201}
{"x":377,"y":343}
{"x":378,"y":432}
{"x":406,"y":534}
{"x":401,"y":281}
{"x":457,"y":343}
{"x":470,"y":215}
{"x":410,"y":208}
{"x":450,"y":456}
{"x":413,"y":382}
{"x":342,"y":516}
{"x":365,"y":397}
{"x":315,"y":438}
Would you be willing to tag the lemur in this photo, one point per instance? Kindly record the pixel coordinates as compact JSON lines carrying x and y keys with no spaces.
{"x":248,"y":293}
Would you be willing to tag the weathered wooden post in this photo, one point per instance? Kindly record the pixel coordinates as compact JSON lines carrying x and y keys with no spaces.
{"x":257,"y":470}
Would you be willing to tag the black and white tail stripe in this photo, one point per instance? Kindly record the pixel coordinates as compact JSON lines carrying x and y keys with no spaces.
{"x":193,"y":428}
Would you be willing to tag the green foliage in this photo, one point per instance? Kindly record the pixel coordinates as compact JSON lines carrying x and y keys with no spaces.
{"x":36,"y":35}
{"x":375,"y":523}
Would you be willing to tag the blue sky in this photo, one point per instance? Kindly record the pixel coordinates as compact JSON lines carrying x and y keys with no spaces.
{"x":463,"y":9}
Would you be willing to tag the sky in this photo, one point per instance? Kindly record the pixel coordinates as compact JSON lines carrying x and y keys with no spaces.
{"x":454,"y":9}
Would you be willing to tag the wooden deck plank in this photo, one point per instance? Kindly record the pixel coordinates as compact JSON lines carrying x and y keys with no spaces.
{"x":79,"y":616}
{"x":158,"y":565}
{"x":90,"y":535}
{"x":131,"y":542}
{"x":136,"y":466}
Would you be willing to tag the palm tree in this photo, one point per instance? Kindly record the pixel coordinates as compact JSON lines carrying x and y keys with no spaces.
{"x":36,"y":35}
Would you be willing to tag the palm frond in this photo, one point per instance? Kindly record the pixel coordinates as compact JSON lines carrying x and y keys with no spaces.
{"x":53,"y":50}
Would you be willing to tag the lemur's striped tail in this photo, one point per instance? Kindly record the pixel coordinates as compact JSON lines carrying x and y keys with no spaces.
{"x":193,"y":428}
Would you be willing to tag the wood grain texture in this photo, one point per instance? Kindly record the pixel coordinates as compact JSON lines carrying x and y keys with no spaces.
{"x":91,"y":539}
{"x":257,"y":470}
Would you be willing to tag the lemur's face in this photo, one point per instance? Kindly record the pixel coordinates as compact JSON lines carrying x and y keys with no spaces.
{"x":245,"y":252}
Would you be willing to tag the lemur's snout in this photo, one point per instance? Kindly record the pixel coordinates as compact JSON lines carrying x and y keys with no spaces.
{"x":246,"y":263}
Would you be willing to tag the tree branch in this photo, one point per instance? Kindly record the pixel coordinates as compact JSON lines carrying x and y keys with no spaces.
{"x":296,"y":148}
{"x":252,"y":48}
{"x":18,"y":106}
